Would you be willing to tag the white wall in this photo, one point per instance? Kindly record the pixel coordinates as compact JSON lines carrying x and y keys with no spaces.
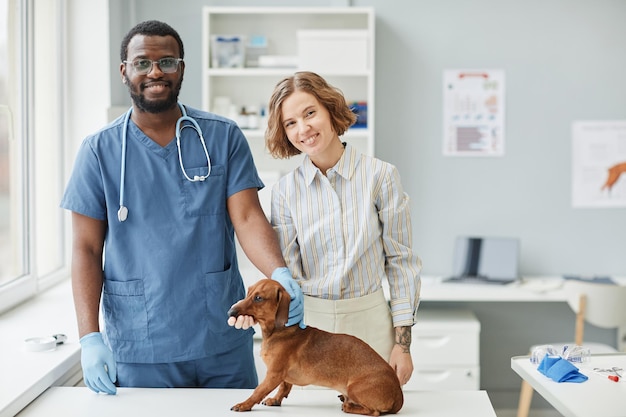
{"x":89,"y":75}
{"x":88,"y":78}
{"x":564,"y":61}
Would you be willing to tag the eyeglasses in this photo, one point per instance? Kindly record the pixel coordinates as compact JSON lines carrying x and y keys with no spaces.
{"x":144,"y":66}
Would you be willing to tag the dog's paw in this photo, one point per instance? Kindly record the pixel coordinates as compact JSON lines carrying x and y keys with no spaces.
{"x":272,"y":402}
{"x":240,"y":407}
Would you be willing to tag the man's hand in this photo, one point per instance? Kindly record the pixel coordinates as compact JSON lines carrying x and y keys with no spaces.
{"x":98,"y":363}
{"x":241,"y":322}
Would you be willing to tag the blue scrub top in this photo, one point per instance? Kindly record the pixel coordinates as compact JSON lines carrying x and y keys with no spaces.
{"x":170,"y":270}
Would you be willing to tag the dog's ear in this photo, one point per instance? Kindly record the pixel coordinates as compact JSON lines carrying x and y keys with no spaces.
{"x":282,"y":312}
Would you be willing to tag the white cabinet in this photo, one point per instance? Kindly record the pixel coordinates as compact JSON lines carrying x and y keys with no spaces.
{"x":335,"y":42}
{"x":445,"y":350}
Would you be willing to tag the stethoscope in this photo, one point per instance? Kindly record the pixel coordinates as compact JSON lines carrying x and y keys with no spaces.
{"x":122,"y":213}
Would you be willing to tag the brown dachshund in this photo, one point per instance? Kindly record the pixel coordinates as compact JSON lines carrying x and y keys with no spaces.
{"x":367,"y":383}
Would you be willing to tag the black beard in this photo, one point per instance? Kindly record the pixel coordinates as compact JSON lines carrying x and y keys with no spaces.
{"x":154,"y":106}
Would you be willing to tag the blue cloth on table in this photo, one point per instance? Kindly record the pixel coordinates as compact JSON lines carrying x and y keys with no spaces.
{"x":560,"y":370}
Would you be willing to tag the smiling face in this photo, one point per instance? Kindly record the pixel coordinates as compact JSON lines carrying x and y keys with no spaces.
{"x":156,"y":91}
{"x":308,"y":126}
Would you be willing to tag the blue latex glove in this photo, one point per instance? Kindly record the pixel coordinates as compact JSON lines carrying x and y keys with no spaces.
{"x":560,"y":370}
{"x":296,"y":306}
{"x":99,"y":367}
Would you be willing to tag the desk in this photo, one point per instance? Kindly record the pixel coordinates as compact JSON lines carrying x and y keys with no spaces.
{"x":596,"y":397}
{"x":531,"y":289}
{"x":153,"y":402}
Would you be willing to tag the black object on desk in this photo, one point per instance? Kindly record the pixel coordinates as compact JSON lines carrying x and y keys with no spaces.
{"x":468,"y":279}
{"x":488,"y":260}
{"x":595,"y":279}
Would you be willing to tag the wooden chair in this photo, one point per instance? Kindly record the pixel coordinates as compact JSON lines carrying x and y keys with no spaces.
{"x":602,"y":305}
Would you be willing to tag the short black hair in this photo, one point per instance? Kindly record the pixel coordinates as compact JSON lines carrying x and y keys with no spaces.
{"x":150,"y":28}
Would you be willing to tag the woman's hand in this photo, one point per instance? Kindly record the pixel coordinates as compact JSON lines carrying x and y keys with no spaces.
{"x":402,"y":363}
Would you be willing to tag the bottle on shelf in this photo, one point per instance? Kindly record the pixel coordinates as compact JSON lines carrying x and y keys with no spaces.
{"x":242,"y":118}
{"x":253,"y":117}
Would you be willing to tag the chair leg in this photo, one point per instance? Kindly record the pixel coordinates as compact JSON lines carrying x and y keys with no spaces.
{"x":525,"y":398}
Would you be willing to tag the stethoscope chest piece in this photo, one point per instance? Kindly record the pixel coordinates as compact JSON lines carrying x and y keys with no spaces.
{"x":122,"y":213}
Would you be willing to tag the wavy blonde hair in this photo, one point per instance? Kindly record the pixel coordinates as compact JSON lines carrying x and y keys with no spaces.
{"x":341,"y":116}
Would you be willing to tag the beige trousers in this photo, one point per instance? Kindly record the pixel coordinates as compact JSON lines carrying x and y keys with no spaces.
{"x":367,"y":317}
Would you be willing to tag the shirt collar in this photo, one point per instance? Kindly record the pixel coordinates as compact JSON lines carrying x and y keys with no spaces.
{"x":345,"y":167}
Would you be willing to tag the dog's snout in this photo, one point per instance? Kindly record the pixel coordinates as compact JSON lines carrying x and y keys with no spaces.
{"x":233,"y":312}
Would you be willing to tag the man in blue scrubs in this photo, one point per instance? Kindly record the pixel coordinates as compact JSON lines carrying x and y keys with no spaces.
{"x":165,"y":268}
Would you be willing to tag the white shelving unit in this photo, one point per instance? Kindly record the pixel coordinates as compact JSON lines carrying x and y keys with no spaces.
{"x":282,"y":28}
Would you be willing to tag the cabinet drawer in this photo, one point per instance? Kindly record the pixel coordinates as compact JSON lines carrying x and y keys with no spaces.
{"x":445,"y":337}
{"x":444,"y":379}
{"x":447,"y":348}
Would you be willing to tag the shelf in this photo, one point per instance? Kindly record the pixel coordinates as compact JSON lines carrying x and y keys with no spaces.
{"x":277,"y":72}
{"x":289,"y":32}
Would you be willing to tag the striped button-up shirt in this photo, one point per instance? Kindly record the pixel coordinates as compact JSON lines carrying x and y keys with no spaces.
{"x":345,"y":234}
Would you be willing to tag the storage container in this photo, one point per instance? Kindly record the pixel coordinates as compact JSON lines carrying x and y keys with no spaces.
{"x":333,"y":51}
{"x":228,"y":51}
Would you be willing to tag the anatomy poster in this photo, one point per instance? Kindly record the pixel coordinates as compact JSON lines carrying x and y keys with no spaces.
{"x":598,"y":149}
{"x":473,"y":112}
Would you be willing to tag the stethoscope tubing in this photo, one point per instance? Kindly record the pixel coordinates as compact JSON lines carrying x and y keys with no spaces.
{"x":122,"y":213}
{"x":194,"y":125}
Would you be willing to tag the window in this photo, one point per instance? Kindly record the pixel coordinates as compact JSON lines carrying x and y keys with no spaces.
{"x":9,"y":239}
{"x":32,"y":104}
{"x":12,"y":224}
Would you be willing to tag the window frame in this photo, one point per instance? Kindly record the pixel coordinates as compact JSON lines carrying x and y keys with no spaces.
{"x":24,"y":124}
